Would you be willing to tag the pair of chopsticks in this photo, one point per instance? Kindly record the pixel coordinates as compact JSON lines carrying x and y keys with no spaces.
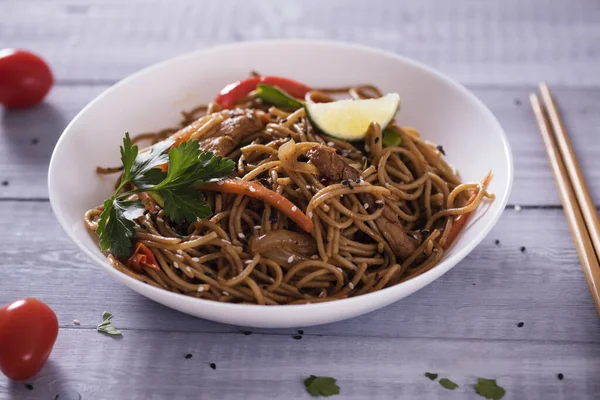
{"x":577,"y":203}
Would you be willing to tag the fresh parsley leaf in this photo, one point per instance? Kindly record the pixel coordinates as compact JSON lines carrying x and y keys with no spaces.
{"x":106,"y":326}
{"x":151,"y":178}
{"x":116,"y":234}
{"x":147,"y":160}
{"x":211,"y":168}
{"x":431,"y":376}
{"x":129,"y":152}
{"x":448,"y":384}
{"x":489,"y":389}
{"x":184,"y":204}
{"x":321,"y":386}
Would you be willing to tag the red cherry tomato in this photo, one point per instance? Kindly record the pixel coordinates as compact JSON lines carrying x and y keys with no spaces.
{"x":25,"y":78}
{"x":28,"y":330}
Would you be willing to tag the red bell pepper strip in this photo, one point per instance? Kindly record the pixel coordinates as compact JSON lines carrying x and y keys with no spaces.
{"x":231,"y":94}
{"x":142,"y":257}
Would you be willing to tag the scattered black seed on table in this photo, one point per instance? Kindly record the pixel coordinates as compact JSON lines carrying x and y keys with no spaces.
{"x":297,"y":337}
{"x":34,"y":140}
{"x":300,"y":332}
{"x":213,"y":365}
{"x":560,"y":377}
{"x":247,"y":333}
{"x":4,"y":183}
{"x":497,"y":242}
{"x":523,"y":249}
{"x":517,"y":102}
{"x":29,"y":386}
{"x":440,"y":149}
{"x":473,"y":283}
{"x":188,"y":356}
{"x":520,"y":324}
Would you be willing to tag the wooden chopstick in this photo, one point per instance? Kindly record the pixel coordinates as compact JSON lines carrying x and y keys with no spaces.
{"x":579,"y":230}
{"x":572,"y":165}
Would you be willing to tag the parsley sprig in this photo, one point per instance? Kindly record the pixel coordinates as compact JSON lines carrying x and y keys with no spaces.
{"x":175,"y":190}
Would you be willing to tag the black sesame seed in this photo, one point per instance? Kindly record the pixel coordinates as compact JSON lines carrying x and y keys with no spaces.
{"x":497,"y":242}
{"x":523,"y":249}
{"x":35,"y":141}
{"x":325,"y":241}
{"x":425,"y":232}
{"x":283,"y":121}
{"x":350,"y":186}
{"x":441,"y":149}
{"x":300,"y":332}
{"x":520,"y":324}
{"x":345,"y":182}
{"x":4,"y":183}
{"x":188,"y":356}
{"x":297,"y":337}
{"x":560,"y":377}
{"x":29,"y":386}
{"x":245,"y":162}
{"x":357,"y":180}
{"x":213,"y":365}
{"x":247,"y":333}
{"x":379,"y":205}
{"x":377,"y":139}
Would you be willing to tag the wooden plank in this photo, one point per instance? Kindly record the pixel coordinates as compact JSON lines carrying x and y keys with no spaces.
{"x":502,"y":42}
{"x":152,"y":365}
{"x":484,"y":297}
{"x":24,"y":165}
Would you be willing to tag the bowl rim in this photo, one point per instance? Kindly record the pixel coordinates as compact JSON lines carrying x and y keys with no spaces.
{"x":419,"y":281}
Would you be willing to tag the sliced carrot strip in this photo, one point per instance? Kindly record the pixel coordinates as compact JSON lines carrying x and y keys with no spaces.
{"x":257,"y":191}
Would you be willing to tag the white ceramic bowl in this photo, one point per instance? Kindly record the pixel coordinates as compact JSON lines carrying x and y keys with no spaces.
{"x":443,"y":111}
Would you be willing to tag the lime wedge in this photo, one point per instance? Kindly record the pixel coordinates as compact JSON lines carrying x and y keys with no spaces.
{"x":350,"y":119}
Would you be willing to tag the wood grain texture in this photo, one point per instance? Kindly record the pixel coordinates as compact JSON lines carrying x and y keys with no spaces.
{"x":484,"y":297}
{"x":476,"y":42}
{"x":152,"y":365}
{"x":24,"y":165}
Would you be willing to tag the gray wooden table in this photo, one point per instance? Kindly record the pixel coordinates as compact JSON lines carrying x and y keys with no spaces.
{"x":463,"y":326}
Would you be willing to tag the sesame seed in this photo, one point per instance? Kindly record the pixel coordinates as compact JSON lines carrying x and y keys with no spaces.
{"x":350,"y":186}
{"x":290,"y":259}
{"x":425,"y":232}
{"x":188,"y":269}
{"x":345,"y":182}
{"x":294,"y":208}
{"x":297,"y":337}
{"x":366,"y":205}
{"x":225,"y":293}
{"x":213,"y":365}
{"x":435,"y":250}
{"x":195,"y":259}
{"x":283,"y":121}
{"x":176,"y":265}
{"x":523,"y":249}
{"x":308,"y":187}
{"x":440,"y":149}
{"x":379,"y":201}
{"x":29,"y":386}
{"x":179,"y":251}
{"x":220,"y":183}
{"x":314,"y":257}
{"x":322,"y":294}
{"x":377,"y":139}
{"x":339,"y":269}
{"x":496,"y":242}
{"x":76,"y":322}
{"x":241,"y":235}
{"x":226,"y":241}
{"x":330,"y":144}
{"x":200,"y":289}
{"x":247,"y":333}
{"x":560,"y":376}
{"x":248,"y":262}
{"x":379,"y":206}
{"x":188,"y":356}
{"x":310,"y":214}
{"x":359,"y":180}
{"x":520,"y":324}
{"x":518,"y":208}
{"x":252,"y":189}
{"x":351,"y":285}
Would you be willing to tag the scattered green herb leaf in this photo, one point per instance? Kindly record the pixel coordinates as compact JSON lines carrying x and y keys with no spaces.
{"x":321,"y":386}
{"x":176,"y":189}
{"x":106,"y":326}
{"x":448,"y":384}
{"x":489,"y":389}
{"x":431,"y":376}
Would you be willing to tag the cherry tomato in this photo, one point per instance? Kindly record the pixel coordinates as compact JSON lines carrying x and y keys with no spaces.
{"x":25,"y":78}
{"x":28,"y":330}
